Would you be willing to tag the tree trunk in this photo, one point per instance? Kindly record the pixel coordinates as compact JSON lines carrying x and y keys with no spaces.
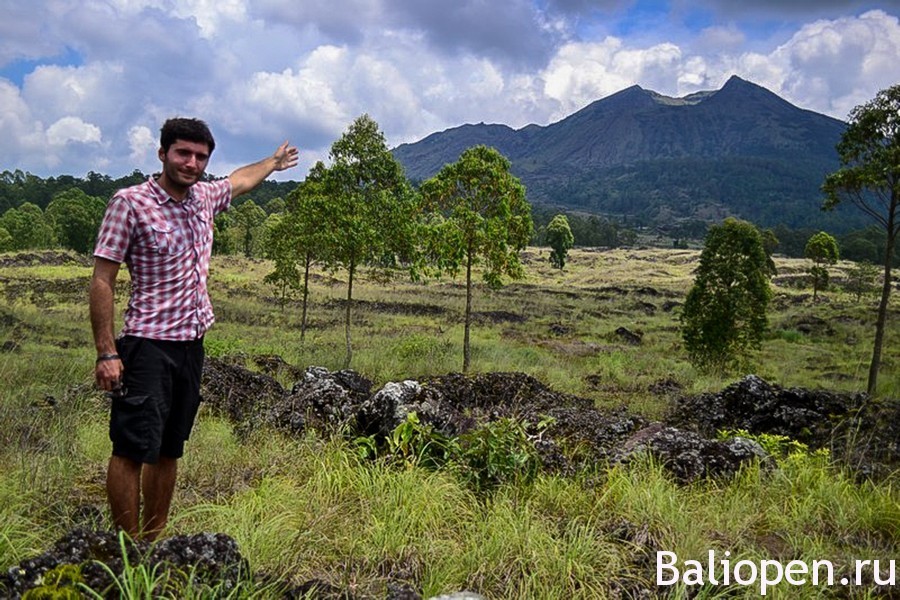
{"x":885,"y":298}
{"x":349,"y":356}
{"x":305,"y":296}
{"x":468,"y":320}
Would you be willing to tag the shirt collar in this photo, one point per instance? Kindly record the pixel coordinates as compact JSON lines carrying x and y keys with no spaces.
{"x":162,"y":196}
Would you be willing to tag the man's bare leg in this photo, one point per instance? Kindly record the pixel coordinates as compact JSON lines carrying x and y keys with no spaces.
{"x":158,"y":485}
{"x":123,"y":489}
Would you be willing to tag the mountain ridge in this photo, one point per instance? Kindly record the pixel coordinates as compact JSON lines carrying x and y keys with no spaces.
{"x":740,"y":150}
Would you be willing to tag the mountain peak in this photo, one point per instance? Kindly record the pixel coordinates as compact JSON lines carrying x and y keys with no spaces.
{"x":707,"y":153}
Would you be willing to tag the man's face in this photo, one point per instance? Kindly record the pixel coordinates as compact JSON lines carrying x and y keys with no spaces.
{"x":185,"y":162}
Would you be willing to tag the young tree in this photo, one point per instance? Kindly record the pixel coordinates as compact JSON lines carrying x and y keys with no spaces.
{"x":869,"y":177}
{"x":560,"y":240}
{"x":724,"y":315}
{"x":822,"y":249}
{"x":294,"y":241}
{"x":860,"y":279}
{"x":280,"y":250}
{"x":371,"y":208}
{"x":479,"y":213}
{"x":246,"y":220}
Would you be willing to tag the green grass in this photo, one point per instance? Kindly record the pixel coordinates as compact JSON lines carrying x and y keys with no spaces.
{"x":312,"y":508}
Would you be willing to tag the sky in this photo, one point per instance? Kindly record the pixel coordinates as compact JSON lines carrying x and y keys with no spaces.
{"x":86,"y":84}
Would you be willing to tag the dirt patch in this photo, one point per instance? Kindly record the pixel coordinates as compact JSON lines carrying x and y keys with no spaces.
{"x":51,"y":258}
{"x":45,"y":292}
{"x":498,"y":316}
{"x":393,"y":308}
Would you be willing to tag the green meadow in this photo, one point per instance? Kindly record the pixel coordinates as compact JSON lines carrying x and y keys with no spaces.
{"x":310,"y":507}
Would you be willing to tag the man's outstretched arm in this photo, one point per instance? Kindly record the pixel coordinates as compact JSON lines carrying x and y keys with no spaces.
{"x":248,"y":177}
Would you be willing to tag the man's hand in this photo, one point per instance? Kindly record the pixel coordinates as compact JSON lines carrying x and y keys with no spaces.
{"x":286,"y":157}
{"x":108,"y":374}
{"x":248,"y":177}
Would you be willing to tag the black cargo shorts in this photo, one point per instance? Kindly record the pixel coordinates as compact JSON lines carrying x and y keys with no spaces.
{"x":161,"y":396}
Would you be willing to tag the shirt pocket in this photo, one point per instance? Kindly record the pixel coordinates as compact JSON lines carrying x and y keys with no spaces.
{"x":165,"y":238}
{"x":203,"y":229}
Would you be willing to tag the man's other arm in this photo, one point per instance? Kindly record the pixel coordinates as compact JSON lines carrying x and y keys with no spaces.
{"x":248,"y":177}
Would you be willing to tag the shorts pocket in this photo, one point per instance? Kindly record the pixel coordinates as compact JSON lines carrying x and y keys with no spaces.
{"x":129,"y":423}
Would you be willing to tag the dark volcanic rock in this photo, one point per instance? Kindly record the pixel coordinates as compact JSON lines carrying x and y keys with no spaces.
{"x":240,"y":394}
{"x":861,"y":432}
{"x":628,"y":336}
{"x":213,"y":559}
{"x":325,"y":400}
{"x":687,"y":455}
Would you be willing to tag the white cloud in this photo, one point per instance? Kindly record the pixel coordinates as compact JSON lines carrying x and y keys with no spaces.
{"x":583,"y":72}
{"x":143,"y":145}
{"x":72,"y":129}
{"x":835,"y":65}
{"x":266,"y":70}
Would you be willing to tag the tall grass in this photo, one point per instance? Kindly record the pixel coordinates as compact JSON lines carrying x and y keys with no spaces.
{"x":310,"y":508}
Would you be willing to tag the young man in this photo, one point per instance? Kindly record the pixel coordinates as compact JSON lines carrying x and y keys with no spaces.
{"x":162,"y":230}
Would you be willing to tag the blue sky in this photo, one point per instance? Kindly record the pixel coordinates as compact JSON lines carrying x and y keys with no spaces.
{"x":85,"y":84}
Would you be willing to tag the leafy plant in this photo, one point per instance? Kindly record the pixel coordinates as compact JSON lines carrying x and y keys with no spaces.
{"x":60,"y":583}
{"x":415,"y":442}
{"x":497,"y":452}
{"x":781,"y":447}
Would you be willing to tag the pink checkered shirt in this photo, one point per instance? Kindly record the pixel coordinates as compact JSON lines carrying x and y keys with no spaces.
{"x":166,"y":246}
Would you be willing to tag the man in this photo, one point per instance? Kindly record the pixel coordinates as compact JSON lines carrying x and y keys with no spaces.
{"x":162,"y":230}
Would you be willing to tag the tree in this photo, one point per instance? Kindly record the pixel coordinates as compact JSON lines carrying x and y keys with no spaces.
{"x":860,"y":279}
{"x":75,"y":218}
{"x":479,"y":213}
{"x":869,"y":177}
{"x":560,"y":240}
{"x":246,"y":220}
{"x":724,"y":315}
{"x":28,"y":227}
{"x":295,"y":241}
{"x":6,"y":241}
{"x":223,"y":241}
{"x":822,"y":249}
{"x":371,"y":209}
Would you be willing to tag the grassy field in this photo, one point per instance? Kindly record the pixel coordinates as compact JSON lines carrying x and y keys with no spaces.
{"x":311,"y":508}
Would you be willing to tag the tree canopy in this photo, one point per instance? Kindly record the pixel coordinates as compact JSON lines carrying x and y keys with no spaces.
{"x":371,"y":208}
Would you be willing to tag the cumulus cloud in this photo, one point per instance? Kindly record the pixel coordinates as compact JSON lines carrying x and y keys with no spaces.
{"x":112,"y":70}
{"x":73,"y":130}
{"x":583,"y":72}
{"x":834,"y":65}
{"x":143,"y":145}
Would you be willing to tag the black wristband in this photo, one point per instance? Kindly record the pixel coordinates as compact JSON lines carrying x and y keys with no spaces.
{"x":103,"y":357}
